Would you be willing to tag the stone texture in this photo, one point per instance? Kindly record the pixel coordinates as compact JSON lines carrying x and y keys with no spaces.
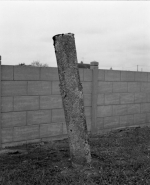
{"x":113,"y":98}
{"x":50,"y":102}
{"x":12,"y":119}
{"x":100,"y":123}
{"x":119,"y":110}
{"x":87,"y":87}
{"x":112,"y":75}
{"x":58,"y":115}
{"x":120,"y":87}
{"x":26,"y":73}
{"x":88,"y":123}
{"x":101,"y":99}
{"x":87,"y":111}
{"x":126,"y":120}
{"x":127,"y":76}
{"x":14,"y":88}
{"x":55,"y":87}
{"x":145,"y":87}
{"x":145,"y":107}
{"x":52,"y":129}
{"x":87,"y":99}
{"x":49,"y":73}
{"x":39,"y":88}
{"x":104,"y":87}
{"x":140,"y":119}
{"x":140,"y":98}
{"x":141,"y":76}
{"x":134,"y":86}
{"x":26,"y":133}
{"x":7,"y":72}
{"x":7,"y":135}
{"x":126,"y":98}
{"x":87,"y":75}
{"x":110,"y":122}
{"x":38,"y":117}
{"x":103,"y":111}
{"x":7,"y":104}
{"x":26,"y":103}
{"x":101,"y":75}
{"x":133,"y":108}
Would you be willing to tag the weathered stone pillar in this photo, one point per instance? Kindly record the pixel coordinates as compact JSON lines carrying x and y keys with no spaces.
{"x":72,"y":98}
{"x":94,"y":67}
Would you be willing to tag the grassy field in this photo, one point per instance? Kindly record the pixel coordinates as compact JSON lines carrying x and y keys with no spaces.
{"x":121,"y":157}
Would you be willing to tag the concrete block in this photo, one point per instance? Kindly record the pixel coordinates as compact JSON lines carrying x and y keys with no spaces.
{"x":38,"y":117}
{"x":7,"y":135}
{"x":126,"y":120}
{"x":127,"y":76}
{"x":141,"y":76}
{"x":26,"y":133}
{"x":110,"y":122}
{"x":133,"y":108}
{"x":140,"y":119}
{"x":87,"y":75}
{"x":100,"y":99}
{"x":33,"y":141}
{"x":13,"y":144}
{"x":50,"y":102}
{"x":52,"y":129}
{"x":104,"y":87}
{"x":148,"y":117}
{"x":87,"y":87}
{"x":64,"y":128}
{"x":88,"y":123}
{"x":7,"y":104}
{"x":113,"y":98}
{"x":26,"y":103}
{"x":145,"y":107}
{"x":7,"y":72}
{"x":126,"y":98}
{"x":140,"y":98}
{"x":103,"y":111}
{"x":26,"y":73}
{"x":119,"y":110}
{"x":39,"y":88}
{"x":14,"y":88}
{"x":145,"y":87}
{"x":58,"y":115}
{"x":148,"y":77}
{"x":87,"y":99}
{"x":81,"y":74}
{"x":49,"y":73}
{"x":100,"y":123}
{"x":101,"y":75}
{"x":134,"y":86}
{"x":112,"y":75}
{"x":87,"y":111}
{"x":119,"y":87}
{"x":148,"y":98}
{"x":12,"y":119}
{"x":55,"y":87}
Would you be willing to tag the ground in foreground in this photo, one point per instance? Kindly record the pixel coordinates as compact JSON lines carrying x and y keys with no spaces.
{"x":122,"y":157}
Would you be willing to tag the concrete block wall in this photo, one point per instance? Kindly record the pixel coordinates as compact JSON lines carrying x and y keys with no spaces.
{"x":123,"y":99}
{"x":31,"y":104}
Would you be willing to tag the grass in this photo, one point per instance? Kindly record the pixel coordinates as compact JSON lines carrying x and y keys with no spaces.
{"x":121,"y":157}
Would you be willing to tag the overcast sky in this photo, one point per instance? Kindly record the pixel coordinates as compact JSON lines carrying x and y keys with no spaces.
{"x":116,"y":34}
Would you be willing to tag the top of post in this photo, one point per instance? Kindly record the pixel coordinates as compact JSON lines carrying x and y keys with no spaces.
{"x":94,"y":63}
{"x":0,"y":57}
{"x":61,"y":35}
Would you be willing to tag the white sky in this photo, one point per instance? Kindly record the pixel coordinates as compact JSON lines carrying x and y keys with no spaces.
{"x":116,"y":34}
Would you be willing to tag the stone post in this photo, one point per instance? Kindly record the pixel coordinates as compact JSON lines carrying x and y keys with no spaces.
{"x":72,"y":97}
{"x":94,"y":67}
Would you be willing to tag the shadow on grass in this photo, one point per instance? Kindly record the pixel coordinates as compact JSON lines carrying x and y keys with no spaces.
{"x":121,"y":157}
